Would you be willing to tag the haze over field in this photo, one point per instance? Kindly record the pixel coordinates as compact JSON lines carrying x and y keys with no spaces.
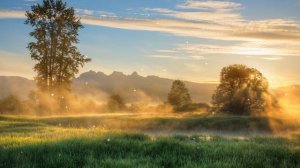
{"x":99,"y":85}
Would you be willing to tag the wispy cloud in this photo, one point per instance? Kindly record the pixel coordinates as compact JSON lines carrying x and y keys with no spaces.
{"x":275,"y":30}
{"x":12,"y":14}
{"x":168,"y":57}
{"x":214,"y":20}
{"x":94,"y":13}
{"x":272,"y":58}
{"x":197,"y":16}
{"x":84,"y":11}
{"x":166,"y":51}
{"x":20,"y":14}
{"x":216,"y":5}
{"x":176,"y":57}
{"x":196,"y":57}
{"x":246,"y":49}
{"x":187,"y":51}
{"x":251,"y":31}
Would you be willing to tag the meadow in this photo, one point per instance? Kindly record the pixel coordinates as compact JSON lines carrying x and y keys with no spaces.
{"x":147,"y":140}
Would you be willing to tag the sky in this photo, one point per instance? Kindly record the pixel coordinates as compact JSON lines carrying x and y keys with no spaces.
{"x":179,"y":39}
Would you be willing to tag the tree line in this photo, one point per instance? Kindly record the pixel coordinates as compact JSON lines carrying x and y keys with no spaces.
{"x":242,"y":90}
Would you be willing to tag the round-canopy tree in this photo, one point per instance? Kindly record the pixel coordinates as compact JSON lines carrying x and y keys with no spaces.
{"x":55,"y":30}
{"x":179,"y":96}
{"x":242,"y":90}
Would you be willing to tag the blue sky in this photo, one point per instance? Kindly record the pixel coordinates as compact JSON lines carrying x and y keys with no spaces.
{"x":179,"y":39}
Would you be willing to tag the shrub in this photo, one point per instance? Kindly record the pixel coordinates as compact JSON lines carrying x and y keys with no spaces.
{"x":116,"y":103}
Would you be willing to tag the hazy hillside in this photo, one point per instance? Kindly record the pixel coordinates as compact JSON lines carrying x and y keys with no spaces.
{"x":99,"y":85}
{"x":15,"y":85}
{"x":135,"y":87}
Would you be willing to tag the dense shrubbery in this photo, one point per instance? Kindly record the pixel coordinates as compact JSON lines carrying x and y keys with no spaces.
{"x":116,"y":103}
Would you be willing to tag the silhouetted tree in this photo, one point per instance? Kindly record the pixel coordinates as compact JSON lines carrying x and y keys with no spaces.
{"x":115,"y":103}
{"x":55,"y":30}
{"x":179,"y":96}
{"x":242,"y":90}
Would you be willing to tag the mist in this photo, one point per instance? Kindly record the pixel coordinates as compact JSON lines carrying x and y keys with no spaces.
{"x":285,"y":119}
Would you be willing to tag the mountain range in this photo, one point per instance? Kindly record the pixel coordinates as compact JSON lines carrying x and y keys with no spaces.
{"x":133,"y":87}
{"x":15,"y":85}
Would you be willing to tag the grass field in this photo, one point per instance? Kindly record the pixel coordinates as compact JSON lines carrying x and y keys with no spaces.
{"x":145,"y":140}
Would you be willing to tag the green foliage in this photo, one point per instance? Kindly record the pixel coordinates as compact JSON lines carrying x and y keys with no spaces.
{"x":242,"y":90}
{"x":179,"y":96}
{"x":116,"y":103}
{"x":55,"y":31}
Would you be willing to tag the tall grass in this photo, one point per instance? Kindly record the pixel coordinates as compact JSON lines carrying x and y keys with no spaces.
{"x":76,"y":142}
{"x":137,"y":150}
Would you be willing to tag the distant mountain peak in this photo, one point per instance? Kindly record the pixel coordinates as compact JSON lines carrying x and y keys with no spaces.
{"x":99,"y":73}
{"x":88,"y":74}
{"x":151,"y":87}
{"x":134,"y":74}
{"x":117,"y":74}
{"x":153,"y":76}
{"x":91,"y":71}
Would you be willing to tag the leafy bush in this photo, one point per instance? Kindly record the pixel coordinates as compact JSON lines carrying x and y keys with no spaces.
{"x":116,"y":103}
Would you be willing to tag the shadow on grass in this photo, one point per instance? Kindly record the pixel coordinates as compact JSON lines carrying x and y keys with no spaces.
{"x":137,"y":150}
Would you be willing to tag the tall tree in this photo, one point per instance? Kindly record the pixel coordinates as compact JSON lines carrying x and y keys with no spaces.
{"x":242,"y":90}
{"x":179,"y":96}
{"x":55,"y":32}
